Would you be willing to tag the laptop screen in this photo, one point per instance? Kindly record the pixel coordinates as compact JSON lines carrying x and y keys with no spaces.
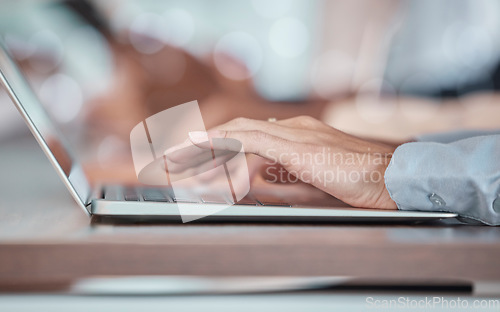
{"x":42,"y":127}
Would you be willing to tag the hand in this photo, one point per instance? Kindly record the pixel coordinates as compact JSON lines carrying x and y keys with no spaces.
{"x":347,"y":167}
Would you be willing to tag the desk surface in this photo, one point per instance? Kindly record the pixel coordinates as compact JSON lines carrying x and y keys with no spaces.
{"x":44,"y":237}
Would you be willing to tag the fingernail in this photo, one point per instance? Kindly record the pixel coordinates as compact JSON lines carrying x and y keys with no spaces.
{"x":198,"y":136}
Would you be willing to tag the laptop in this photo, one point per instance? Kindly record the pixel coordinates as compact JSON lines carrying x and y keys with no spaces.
{"x":161,"y":203}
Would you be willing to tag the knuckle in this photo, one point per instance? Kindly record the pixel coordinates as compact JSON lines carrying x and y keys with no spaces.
{"x":306,"y":121}
{"x":240,"y":121}
{"x":323,"y":137}
{"x":258,"y":135}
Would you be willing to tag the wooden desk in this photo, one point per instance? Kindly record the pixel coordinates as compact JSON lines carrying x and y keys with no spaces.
{"x":45,"y":238}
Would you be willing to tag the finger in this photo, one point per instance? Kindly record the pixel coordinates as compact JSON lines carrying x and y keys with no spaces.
{"x":290,"y":133}
{"x":187,"y":154}
{"x":321,"y":132}
{"x":255,"y":142}
{"x":182,"y":170}
{"x":188,"y":159}
{"x":183,"y":159}
{"x":204,"y":172}
{"x":305,"y":123}
{"x":180,"y":152}
{"x":299,"y":129}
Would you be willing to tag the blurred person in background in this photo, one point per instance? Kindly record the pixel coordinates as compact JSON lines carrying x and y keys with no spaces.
{"x":390,"y":68}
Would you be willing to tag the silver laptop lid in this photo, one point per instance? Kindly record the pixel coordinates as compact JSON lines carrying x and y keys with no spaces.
{"x":44,"y":130}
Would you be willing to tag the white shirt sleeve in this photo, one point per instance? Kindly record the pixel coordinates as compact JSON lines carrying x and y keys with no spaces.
{"x":462,"y":177}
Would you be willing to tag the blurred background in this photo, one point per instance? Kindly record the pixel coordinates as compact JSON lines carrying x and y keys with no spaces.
{"x":391,"y":69}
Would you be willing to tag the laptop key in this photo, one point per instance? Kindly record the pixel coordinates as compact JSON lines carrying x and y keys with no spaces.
{"x":113,"y":192}
{"x":186,"y":200}
{"x":130,"y":194}
{"x":131,"y":197}
{"x":183,"y":196}
{"x":269,"y":200}
{"x":248,"y":201}
{"x":155,"y":195}
{"x":155,"y":198}
{"x":213,"y":198}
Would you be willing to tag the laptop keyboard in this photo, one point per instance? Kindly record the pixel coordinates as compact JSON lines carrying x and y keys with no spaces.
{"x":155,"y":195}
{"x":167,"y":195}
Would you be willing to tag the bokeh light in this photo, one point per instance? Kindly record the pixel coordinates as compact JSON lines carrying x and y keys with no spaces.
{"x":240,"y":46}
{"x":62,"y":96}
{"x":180,"y":27}
{"x":47,"y":51}
{"x":147,"y":33}
{"x":289,"y":37}
{"x":89,"y":60}
{"x":468,"y":45}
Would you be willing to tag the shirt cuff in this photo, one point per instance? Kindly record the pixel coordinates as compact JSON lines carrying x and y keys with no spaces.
{"x":428,"y":176}
{"x":453,"y":136}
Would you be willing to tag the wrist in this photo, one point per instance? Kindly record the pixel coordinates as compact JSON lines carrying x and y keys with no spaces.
{"x":384,"y":200}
